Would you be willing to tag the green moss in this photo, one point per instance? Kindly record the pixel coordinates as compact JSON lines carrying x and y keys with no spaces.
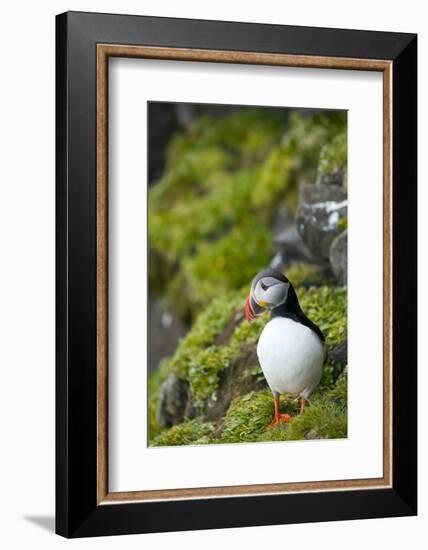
{"x":273,"y":182}
{"x":212,"y":210}
{"x":302,"y":273}
{"x":244,"y":133}
{"x":192,"y":432}
{"x":247,"y":418}
{"x":204,"y":370}
{"x":206,"y":216}
{"x":333,"y":155}
{"x":190,"y":172}
{"x":329,"y":375}
{"x":322,"y":420}
{"x":324,"y":417}
{"x":257,"y":373}
{"x":213,"y":269}
{"x":207,"y":326}
{"x":211,"y":147}
{"x":307,"y":134}
{"x":339,"y":393}
{"x":327,"y":307}
{"x":342,"y":223}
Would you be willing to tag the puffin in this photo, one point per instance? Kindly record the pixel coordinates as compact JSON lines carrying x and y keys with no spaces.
{"x":291,"y":348}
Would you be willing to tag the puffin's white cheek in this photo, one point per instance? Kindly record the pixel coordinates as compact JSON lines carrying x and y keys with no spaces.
{"x":276,"y":294}
{"x":260,"y":295}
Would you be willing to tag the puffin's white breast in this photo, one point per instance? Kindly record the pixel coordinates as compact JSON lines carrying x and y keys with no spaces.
{"x":291,"y":356}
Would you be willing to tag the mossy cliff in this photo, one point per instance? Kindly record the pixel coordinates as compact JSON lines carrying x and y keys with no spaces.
{"x":227,"y":397}
{"x":213,"y":217}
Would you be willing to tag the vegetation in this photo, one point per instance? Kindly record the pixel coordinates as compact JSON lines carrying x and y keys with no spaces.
{"x":211,"y":219}
{"x":248,"y":418}
{"x":224,"y":182}
{"x":200,"y":361}
{"x":191,"y":432}
{"x":333,"y":155}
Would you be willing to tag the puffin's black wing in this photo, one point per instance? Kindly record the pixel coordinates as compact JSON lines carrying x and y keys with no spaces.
{"x":291,"y":309}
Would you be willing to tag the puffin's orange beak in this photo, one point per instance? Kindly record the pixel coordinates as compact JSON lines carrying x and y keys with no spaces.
{"x":249,"y":312}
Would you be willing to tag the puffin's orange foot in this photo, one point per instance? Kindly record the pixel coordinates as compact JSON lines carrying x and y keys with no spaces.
{"x":279,"y":419}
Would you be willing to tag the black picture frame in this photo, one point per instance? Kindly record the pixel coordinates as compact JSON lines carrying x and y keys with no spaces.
{"x":77,"y":512}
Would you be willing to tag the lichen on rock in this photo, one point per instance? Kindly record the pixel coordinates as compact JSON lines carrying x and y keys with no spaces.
{"x":339,"y":257}
{"x":321,"y":209}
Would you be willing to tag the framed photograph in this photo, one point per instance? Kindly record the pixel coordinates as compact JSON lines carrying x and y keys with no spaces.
{"x":236,"y":274}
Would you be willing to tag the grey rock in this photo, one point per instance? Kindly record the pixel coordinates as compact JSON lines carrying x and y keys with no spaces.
{"x":173,"y":400}
{"x":165,"y":330}
{"x":192,"y":410}
{"x":339,"y":258}
{"x":237,"y":380}
{"x":338,"y":354}
{"x":320,"y":210}
{"x":312,"y":434}
{"x":336,"y":177}
{"x":289,"y":248}
{"x":163,"y":124}
{"x":188,"y":113}
{"x":288,"y":245}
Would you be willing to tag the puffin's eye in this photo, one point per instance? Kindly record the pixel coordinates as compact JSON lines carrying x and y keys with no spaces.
{"x":264,"y":287}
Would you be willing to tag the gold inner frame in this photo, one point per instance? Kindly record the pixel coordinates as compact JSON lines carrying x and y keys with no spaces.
{"x":104,"y":51}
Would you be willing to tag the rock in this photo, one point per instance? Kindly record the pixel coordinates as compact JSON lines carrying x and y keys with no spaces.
{"x":336,"y":177}
{"x":287,"y":243}
{"x":312,"y":434}
{"x":162,"y":125}
{"x":338,"y":354}
{"x":339,"y":258}
{"x":174,"y":395}
{"x":165,"y":329}
{"x":320,"y":210}
{"x":193,"y":410}
{"x":223,"y":338}
{"x":188,"y":113}
{"x":290,"y":248}
{"x":235,"y":381}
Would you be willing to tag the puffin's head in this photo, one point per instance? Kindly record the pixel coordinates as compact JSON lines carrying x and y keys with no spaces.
{"x":269,"y":289}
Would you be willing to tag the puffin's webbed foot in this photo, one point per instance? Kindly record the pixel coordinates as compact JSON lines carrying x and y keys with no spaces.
{"x":278,"y":418}
{"x":282,"y":418}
